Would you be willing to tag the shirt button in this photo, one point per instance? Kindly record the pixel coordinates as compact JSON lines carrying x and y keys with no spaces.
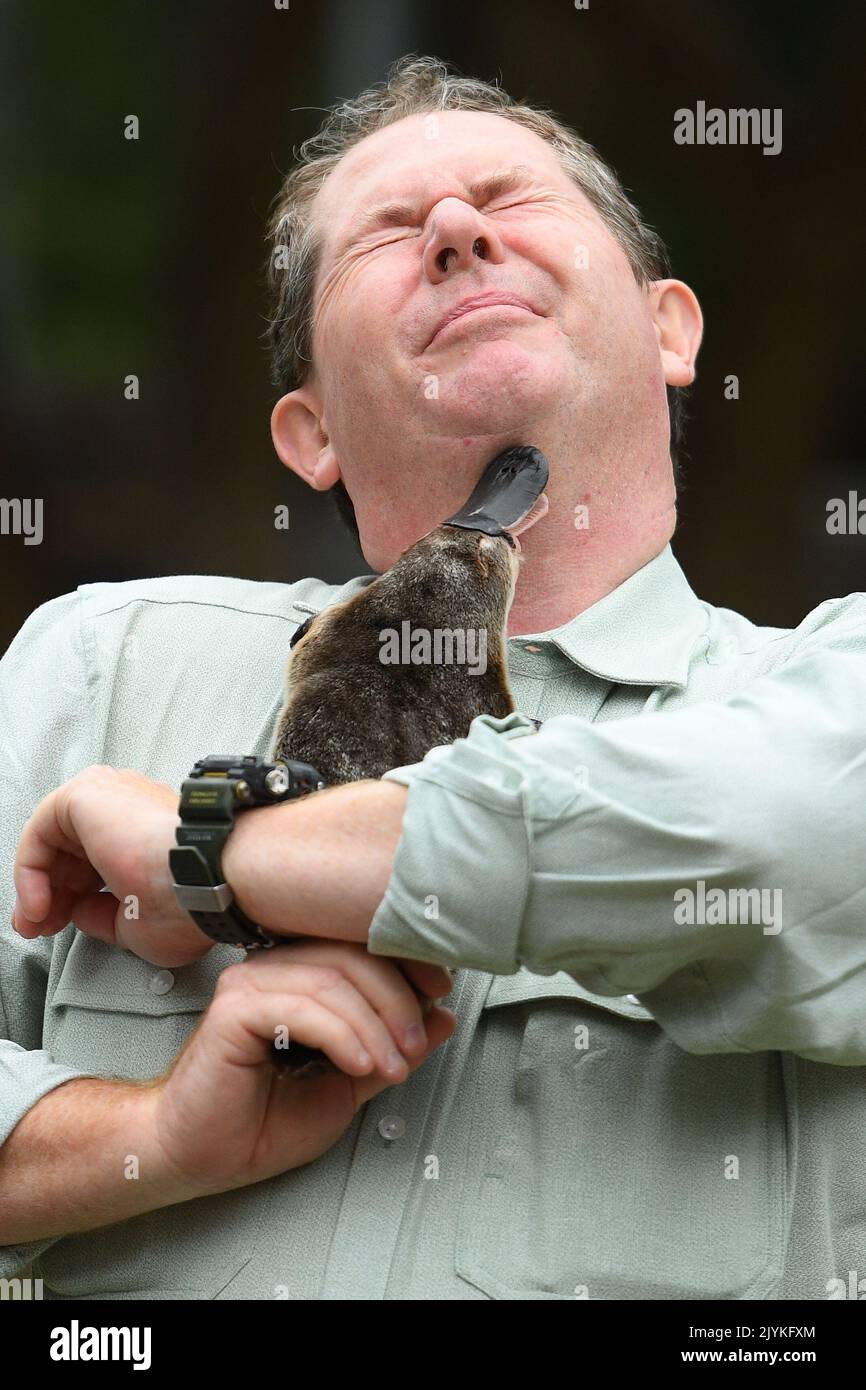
{"x":161,"y":982}
{"x":392,"y":1127}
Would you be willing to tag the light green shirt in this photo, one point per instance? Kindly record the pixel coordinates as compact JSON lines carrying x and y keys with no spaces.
{"x":641,"y":1100}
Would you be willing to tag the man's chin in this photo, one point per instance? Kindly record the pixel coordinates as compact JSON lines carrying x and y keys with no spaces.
{"x":493,"y":390}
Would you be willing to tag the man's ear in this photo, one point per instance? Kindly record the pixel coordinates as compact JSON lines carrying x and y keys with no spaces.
{"x":679,"y":326}
{"x":300,"y":437}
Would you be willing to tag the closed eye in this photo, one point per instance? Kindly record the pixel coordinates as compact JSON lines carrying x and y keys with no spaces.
{"x":514,"y":203}
{"x":406,"y":230}
{"x":377,"y":241}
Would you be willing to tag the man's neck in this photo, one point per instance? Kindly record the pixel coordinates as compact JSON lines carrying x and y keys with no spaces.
{"x":566,"y":567}
{"x":612,"y":509}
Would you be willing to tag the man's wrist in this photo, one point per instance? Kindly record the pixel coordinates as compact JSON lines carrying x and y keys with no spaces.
{"x":166,"y":1184}
{"x":190,"y":940}
{"x":254,"y":853}
{"x":318,"y":866}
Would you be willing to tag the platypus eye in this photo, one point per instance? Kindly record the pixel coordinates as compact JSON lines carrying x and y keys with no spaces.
{"x":300,"y":632}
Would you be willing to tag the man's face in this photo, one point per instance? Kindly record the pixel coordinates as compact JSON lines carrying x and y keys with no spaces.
{"x":419,"y":387}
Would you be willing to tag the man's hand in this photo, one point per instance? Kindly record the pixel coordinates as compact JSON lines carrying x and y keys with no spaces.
{"x":223,"y":1117}
{"x":334,"y":849}
{"x":114,"y":828}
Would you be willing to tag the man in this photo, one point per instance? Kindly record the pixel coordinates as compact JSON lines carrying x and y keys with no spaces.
{"x":650,"y":1081}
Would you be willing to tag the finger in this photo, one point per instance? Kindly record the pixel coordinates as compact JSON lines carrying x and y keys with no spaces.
{"x":377,"y":979}
{"x":42,"y":841}
{"x":394,"y":995}
{"x":96,"y":915}
{"x":252,"y":1020}
{"x":344,"y":996}
{"x":33,"y":889}
{"x":70,"y":880}
{"x":440,"y":1025}
{"x":433,"y":980}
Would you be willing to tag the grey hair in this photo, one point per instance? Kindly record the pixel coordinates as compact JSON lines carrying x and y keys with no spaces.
{"x":414,"y":86}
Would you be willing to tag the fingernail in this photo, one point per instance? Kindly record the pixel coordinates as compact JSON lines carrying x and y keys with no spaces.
{"x":415,"y":1037}
{"x":395,"y":1062}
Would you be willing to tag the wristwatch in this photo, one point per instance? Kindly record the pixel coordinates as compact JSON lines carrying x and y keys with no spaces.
{"x":217,"y":788}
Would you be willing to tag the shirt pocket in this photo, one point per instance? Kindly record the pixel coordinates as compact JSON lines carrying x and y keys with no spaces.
{"x":605,"y":1162}
{"x":112,"y":1014}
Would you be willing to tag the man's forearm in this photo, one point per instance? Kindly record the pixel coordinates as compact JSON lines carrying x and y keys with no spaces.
{"x":83,"y":1156}
{"x":317,"y":867}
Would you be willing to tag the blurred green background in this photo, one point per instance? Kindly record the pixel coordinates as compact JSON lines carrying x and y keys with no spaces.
{"x":146,"y":257}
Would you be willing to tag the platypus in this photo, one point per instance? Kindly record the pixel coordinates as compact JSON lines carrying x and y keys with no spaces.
{"x":409,"y":662}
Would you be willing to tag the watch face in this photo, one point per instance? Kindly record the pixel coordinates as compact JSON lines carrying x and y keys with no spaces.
{"x":277,"y":780}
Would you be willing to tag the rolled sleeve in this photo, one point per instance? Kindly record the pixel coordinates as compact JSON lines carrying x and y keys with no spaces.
{"x":458,"y":888}
{"x":46,"y":736}
{"x":25,"y":1077}
{"x":566,"y":850}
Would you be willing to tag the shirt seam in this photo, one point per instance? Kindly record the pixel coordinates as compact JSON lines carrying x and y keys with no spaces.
{"x":191,"y":602}
{"x":87,"y":645}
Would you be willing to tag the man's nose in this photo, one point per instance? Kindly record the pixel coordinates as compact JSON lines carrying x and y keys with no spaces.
{"x":458,"y":237}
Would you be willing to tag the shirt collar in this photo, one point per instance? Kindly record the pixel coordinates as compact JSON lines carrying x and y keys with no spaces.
{"x":642,"y":633}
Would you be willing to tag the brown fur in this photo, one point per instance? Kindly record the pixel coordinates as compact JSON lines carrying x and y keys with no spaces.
{"x":351,"y":715}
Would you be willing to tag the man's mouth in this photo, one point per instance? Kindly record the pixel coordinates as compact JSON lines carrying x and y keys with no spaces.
{"x":493,"y":300}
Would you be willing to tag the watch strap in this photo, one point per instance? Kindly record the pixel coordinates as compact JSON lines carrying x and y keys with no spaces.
{"x":203,"y":892}
{"x":211,"y":798}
